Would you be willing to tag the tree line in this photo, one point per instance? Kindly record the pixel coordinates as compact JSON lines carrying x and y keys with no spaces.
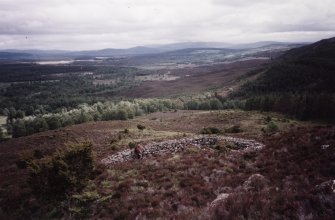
{"x":19,"y":125}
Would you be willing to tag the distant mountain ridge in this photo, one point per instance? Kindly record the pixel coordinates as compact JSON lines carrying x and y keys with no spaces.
{"x":14,"y":55}
{"x":134,"y":51}
{"x":190,"y":45}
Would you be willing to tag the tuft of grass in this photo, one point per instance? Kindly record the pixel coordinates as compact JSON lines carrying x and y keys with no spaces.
{"x":86,"y":196}
{"x":192,"y":150}
{"x":106,"y":184}
{"x":175,"y":158}
{"x":80,"y":203}
{"x":226,"y":146}
{"x":131,"y":145}
{"x":234,"y":129}
{"x":271,"y":127}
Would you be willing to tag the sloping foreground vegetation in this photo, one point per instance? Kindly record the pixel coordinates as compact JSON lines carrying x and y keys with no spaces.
{"x":52,"y":179}
{"x":298,"y":179}
{"x":284,"y":180}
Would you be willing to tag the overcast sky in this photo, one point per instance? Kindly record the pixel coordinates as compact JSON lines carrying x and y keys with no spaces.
{"x":96,"y":24}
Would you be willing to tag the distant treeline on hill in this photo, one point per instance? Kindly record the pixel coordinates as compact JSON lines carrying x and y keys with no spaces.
{"x":300,"y":84}
{"x":293,"y":89}
{"x":303,"y":106}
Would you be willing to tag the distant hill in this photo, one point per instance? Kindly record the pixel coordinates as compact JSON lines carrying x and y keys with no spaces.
{"x":324,"y":49}
{"x":192,"y":45}
{"x":116,"y":52}
{"x":263,"y":44}
{"x":300,"y":82}
{"x":14,"y":54}
{"x":61,"y":54}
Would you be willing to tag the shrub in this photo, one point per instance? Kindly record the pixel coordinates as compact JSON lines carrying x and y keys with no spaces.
{"x":2,"y":134}
{"x":225,"y":146}
{"x":126,"y":131}
{"x":24,"y":159}
{"x":132,"y":145}
{"x":140,"y":127}
{"x":81,"y":204}
{"x":221,"y":149}
{"x":234,"y":129}
{"x":113,"y":141}
{"x":67,"y":170}
{"x":192,"y":150}
{"x":210,"y":130}
{"x":268,"y":119}
{"x":271,"y":127}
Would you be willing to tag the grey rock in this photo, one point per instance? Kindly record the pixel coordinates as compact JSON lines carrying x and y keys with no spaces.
{"x":327,"y":187}
{"x":255,"y":183}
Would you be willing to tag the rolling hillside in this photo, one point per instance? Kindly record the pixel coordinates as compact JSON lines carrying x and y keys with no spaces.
{"x":202,"y":162}
{"x":300,"y":83}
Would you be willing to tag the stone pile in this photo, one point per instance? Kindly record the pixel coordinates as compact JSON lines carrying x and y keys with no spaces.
{"x":176,"y":145}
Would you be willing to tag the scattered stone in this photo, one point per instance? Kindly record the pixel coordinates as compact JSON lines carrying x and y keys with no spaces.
{"x":255,"y":183}
{"x":326,"y":187}
{"x":176,"y":145}
{"x":219,"y":199}
{"x":325,"y":146}
{"x":224,"y":189}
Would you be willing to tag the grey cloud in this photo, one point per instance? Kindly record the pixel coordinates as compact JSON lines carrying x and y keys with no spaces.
{"x":243,"y":3}
{"x":86,"y":24}
{"x":313,"y":27}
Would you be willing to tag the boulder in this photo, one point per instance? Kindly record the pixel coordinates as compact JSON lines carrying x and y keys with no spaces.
{"x":327,"y":187}
{"x":255,"y":183}
{"x":219,"y":199}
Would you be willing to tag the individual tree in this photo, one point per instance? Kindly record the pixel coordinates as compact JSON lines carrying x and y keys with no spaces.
{"x":20,"y":114}
{"x":5,"y":112}
{"x":53,"y":122}
{"x":204,"y":105}
{"x":19,"y":128}
{"x":122,"y":114}
{"x":216,"y":104}
{"x":2,"y":134}
{"x":40,"y":124}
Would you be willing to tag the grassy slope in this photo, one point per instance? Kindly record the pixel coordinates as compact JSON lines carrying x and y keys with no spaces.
{"x":176,"y":185}
{"x":182,"y":186}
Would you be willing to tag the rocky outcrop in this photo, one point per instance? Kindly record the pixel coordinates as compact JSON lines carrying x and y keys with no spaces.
{"x":327,"y":187}
{"x":255,"y":183}
{"x":176,"y":145}
{"x":219,"y":199}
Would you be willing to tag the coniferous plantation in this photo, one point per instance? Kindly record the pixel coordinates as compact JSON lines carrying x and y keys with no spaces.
{"x":167,"y":110}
